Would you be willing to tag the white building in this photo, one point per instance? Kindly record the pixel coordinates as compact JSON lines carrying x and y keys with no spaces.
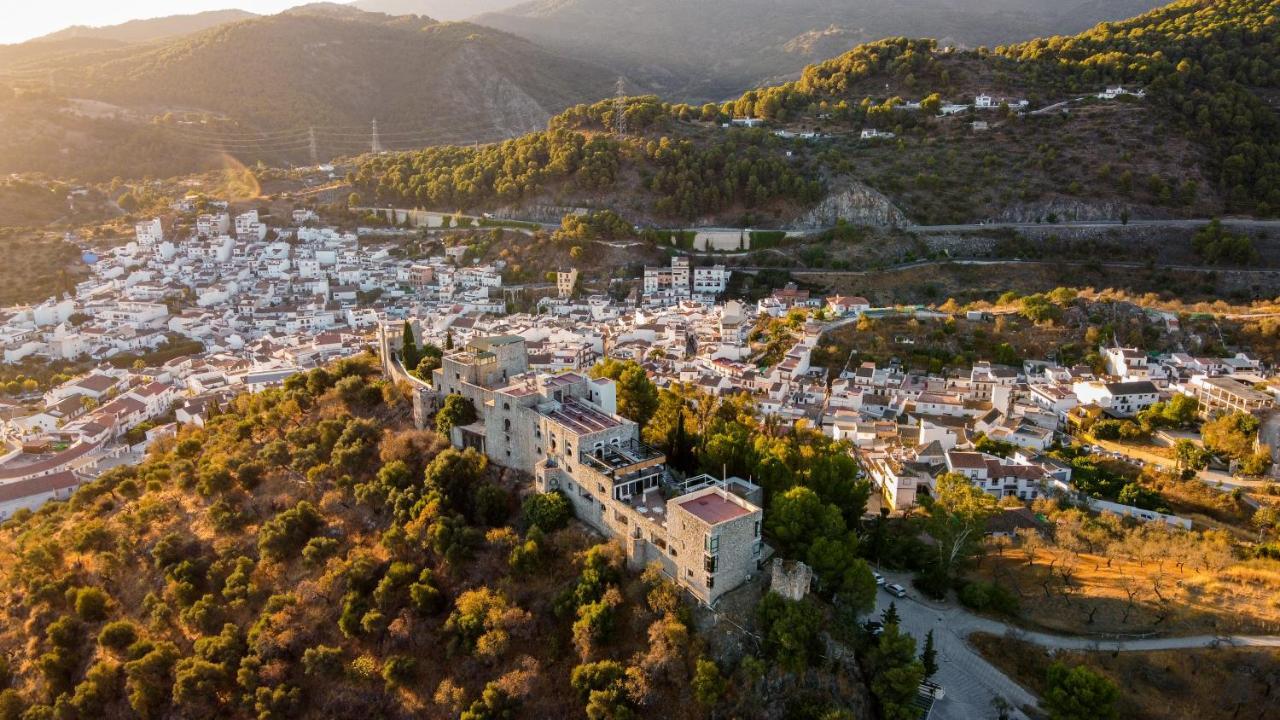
{"x":710,"y":281}
{"x":213,"y":224}
{"x":149,"y":232}
{"x":249,"y":228}
{"x":1124,"y":399}
{"x":1128,"y":364}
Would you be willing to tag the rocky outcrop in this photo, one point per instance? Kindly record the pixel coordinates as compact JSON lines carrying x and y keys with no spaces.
{"x":854,"y":203}
{"x":1063,"y":210}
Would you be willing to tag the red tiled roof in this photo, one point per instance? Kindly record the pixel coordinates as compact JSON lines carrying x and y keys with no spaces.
{"x":97,"y":383}
{"x":47,"y":464}
{"x":38,"y":486}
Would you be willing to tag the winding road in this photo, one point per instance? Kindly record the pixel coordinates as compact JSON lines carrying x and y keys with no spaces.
{"x":970,"y":683}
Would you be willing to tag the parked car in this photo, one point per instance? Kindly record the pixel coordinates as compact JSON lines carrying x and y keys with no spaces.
{"x":879,"y":578}
{"x":896,"y":590}
{"x":874,"y":627}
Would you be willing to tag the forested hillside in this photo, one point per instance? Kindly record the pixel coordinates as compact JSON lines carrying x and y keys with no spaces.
{"x":677,"y":178}
{"x":710,"y":49}
{"x":1210,"y":71}
{"x":308,"y":554}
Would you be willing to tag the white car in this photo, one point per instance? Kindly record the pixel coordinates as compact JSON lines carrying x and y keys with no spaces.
{"x":896,"y":590}
{"x":879,"y":578}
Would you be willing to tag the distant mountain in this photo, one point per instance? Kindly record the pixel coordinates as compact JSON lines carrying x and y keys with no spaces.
{"x":139,"y":31}
{"x":439,"y":9}
{"x":706,"y":49}
{"x":324,"y":67}
{"x":254,"y":88}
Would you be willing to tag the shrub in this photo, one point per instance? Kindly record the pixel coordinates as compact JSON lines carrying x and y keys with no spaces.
{"x":11,"y":705}
{"x":982,"y":596}
{"x":589,"y":677}
{"x":322,"y":660}
{"x":284,"y":535}
{"x":398,"y":670}
{"x":364,"y":667}
{"x":319,"y":549}
{"x":548,"y":511}
{"x":118,"y":635}
{"x":91,"y":604}
{"x":425,"y":596}
{"x":1079,"y":693}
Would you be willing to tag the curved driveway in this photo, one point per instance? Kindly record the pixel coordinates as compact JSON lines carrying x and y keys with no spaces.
{"x":970,"y":682}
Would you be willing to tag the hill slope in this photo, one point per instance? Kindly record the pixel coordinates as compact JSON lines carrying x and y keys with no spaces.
{"x":80,"y":39}
{"x":1208,"y":67}
{"x":331,"y":68}
{"x":439,"y":9}
{"x":308,"y":554}
{"x":711,"y":48}
{"x":253,"y":88}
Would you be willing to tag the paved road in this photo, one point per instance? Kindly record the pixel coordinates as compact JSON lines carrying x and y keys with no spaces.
{"x":1074,"y":263}
{"x":970,"y":682}
{"x":1248,"y":223}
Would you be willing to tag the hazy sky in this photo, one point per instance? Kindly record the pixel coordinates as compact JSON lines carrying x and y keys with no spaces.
{"x":23,"y":19}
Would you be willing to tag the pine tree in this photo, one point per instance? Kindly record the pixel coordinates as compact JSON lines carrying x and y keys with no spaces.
{"x":409,"y":355}
{"x":929,"y":656}
{"x":448,"y":340}
{"x":890,"y":615}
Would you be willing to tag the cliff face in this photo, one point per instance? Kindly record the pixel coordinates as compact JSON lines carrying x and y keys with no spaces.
{"x":856,"y":204}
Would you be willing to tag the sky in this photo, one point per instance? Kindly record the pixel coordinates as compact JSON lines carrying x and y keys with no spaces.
{"x":24,"y":20}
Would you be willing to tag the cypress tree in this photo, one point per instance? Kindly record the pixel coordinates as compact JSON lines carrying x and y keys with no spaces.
{"x":409,"y":355}
{"x":929,"y":656}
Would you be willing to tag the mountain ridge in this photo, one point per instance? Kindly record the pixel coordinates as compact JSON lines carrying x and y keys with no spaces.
{"x":151,"y":29}
{"x":251,"y":89}
{"x":711,"y":49}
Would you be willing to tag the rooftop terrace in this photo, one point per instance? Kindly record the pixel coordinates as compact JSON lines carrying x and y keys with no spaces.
{"x":628,"y":456}
{"x":713,"y":508}
{"x":579,"y":417}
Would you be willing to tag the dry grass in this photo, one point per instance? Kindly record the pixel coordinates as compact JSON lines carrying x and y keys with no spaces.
{"x":1202,"y":684}
{"x":1062,"y":591}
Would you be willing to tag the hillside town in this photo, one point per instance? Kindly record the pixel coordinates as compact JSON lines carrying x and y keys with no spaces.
{"x":258,"y":304}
